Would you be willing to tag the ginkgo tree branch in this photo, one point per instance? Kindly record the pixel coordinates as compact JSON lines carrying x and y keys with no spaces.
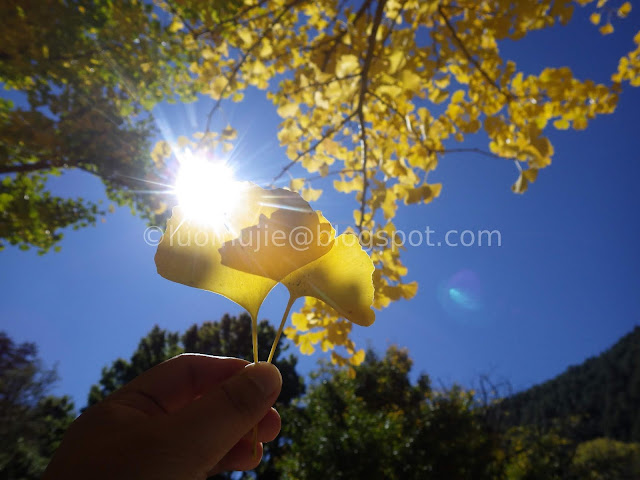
{"x":331,"y":174}
{"x":179,"y":15}
{"x":470,"y":57}
{"x":364,"y":84}
{"x":234,"y":19}
{"x":334,"y":40}
{"x":479,"y":151}
{"x":240,"y":63}
{"x":402,"y":117}
{"x":430,"y":149}
{"x":393,"y":23}
{"x":331,"y":40}
{"x":46,"y":165}
{"x":313,"y":146}
{"x":321,"y":84}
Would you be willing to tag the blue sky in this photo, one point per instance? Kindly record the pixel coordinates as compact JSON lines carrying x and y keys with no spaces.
{"x":561,"y":287}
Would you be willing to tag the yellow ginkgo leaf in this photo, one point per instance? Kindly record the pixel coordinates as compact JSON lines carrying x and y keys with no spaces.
{"x":189,"y":250}
{"x":624,"y":10}
{"x":342,"y":279}
{"x":606,"y":29}
{"x":288,"y":110}
{"x":188,"y":254}
{"x":279,"y":244}
{"x":296,"y":184}
{"x":357,"y":358}
{"x":347,"y":65}
{"x":311,"y":194}
{"x":176,"y":25}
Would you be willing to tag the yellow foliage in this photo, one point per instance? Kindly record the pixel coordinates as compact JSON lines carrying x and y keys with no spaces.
{"x":624,"y":9}
{"x":606,"y":29}
{"x":629,"y":66}
{"x":161,"y":151}
{"x":311,"y":194}
{"x":370,"y":100}
{"x":243,"y":261}
{"x":176,"y":24}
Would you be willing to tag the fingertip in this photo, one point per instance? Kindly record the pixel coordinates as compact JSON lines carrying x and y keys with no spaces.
{"x":266,"y":376}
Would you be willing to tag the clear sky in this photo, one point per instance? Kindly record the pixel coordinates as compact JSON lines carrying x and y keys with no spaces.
{"x":562,"y":286}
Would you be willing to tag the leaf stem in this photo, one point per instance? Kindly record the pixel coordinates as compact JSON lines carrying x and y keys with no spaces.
{"x":254,"y":338}
{"x":255,"y":442}
{"x":279,"y":332}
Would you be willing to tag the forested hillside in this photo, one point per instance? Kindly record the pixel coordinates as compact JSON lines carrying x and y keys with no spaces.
{"x":599,"y":398}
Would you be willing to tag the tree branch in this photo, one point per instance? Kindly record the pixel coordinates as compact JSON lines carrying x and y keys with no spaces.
{"x":333,"y":41}
{"x":236,"y":18}
{"x":364,"y":83}
{"x":311,"y":148}
{"x":429,"y":149}
{"x":470,"y":57}
{"x":239,"y":65}
{"x":472,"y":150}
{"x":331,"y":174}
{"x":25,"y":168}
{"x":321,"y":84}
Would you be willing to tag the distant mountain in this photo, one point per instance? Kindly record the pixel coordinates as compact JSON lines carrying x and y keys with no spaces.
{"x":603,"y":394}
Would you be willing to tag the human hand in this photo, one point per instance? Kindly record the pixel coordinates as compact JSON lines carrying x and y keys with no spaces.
{"x":187,"y":418}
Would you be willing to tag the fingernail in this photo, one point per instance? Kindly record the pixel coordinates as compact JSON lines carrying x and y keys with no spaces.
{"x":266,"y":376}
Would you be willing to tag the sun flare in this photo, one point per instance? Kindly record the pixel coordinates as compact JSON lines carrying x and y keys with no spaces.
{"x":207,"y":190}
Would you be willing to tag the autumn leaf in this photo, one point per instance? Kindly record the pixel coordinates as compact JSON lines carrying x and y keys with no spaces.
{"x":624,"y":10}
{"x":341,"y":279}
{"x":366,"y":98}
{"x":279,"y":244}
{"x":272,"y":236}
{"x":298,"y":248}
{"x":606,"y":29}
{"x":189,"y":254}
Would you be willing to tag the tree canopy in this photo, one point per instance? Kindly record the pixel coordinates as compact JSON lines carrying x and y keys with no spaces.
{"x":378,"y":424}
{"x":372,"y":93}
{"x":603,"y":393}
{"x":81,"y":70}
{"x":374,"y":421}
{"x":32,"y":421}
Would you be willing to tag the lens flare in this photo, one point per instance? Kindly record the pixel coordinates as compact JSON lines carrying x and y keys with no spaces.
{"x":461,"y":294}
{"x":207,"y":190}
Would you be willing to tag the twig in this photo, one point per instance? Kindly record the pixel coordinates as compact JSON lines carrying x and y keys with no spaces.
{"x":333,"y":41}
{"x":330,"y":174}
{"x":472,"y":150}
{"x":432,"y":150}
{"x":322,"y":84}
{"x":364,"y":83}
{"x":239,"y":65}
{"x":311,"y":148}
{"x":25,"y":167}
{"x":235,"y":18}
{"x":470,"y":57}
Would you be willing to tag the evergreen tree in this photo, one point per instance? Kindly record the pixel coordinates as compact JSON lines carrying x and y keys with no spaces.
{"x":32,"y":422}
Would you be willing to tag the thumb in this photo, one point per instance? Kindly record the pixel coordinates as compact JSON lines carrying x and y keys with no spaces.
{"x":211,"y":425}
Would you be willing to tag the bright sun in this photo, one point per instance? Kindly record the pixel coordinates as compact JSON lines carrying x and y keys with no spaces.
{"x":206,"y":190}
